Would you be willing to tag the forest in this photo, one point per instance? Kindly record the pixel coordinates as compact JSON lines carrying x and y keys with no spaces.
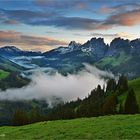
{"x":101,"y":101}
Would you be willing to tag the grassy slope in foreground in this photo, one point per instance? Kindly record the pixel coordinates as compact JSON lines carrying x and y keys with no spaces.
{"x":106,"y":127}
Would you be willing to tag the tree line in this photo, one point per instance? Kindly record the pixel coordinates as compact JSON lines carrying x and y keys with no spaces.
{"x":101,"y":101}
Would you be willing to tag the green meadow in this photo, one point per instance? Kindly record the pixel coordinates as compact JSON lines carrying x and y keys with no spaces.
{"x":104,"y":127}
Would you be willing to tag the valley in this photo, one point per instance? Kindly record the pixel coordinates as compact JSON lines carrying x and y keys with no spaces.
{"x":69,"y":69}
{"x":18,"y":67}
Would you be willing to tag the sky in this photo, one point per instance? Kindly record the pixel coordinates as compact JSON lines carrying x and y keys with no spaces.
{"x":42,"y":25}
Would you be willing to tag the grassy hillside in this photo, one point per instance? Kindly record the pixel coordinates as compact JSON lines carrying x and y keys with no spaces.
{"x":106,"y":127}
{"x":135,"y":84}
{"x":8,"y":65}
{"x":121,"y":63}
{"x":113,"y":61}
{"x":3,"y":74}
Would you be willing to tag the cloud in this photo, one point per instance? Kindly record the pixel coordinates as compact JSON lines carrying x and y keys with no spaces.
{"x":25,"y":16}
{"x":52,"y":32}
{"x":33,"y":40}
{"x":119,"y":34}
{"x":52,"y":17}
{"x":62,"y":5}
{"x":125,"y":7}
{"x":17,"y":38}
{"x":109,"y":37}
{"x":125,"y":35}
{"x":125,"y":15}
{"x":124,"y":19}
{"x":70,"y":23}
{"x":10,"y":22}
{"x":9,"y":36}
{"x":103,"y":35}
{"x":79,"y":23}
{"x":81,"y":6}
{"x":66,"y":87}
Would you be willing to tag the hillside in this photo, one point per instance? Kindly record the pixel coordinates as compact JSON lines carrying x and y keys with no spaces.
{"x":106,"y":127}
{"x":116,"y":57}
{"x":135,"y":84}
{"x":96,"y":104}
{"x":3,"y":74}
{"x":6,"y":64}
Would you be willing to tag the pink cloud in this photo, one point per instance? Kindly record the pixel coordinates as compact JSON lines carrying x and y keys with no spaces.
{"x":128,"y":19}
{"x":28,"y":41}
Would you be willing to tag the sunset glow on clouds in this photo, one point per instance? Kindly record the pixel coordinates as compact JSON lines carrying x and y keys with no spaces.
{"x":32,"y":42}
{"x":46,"y":24}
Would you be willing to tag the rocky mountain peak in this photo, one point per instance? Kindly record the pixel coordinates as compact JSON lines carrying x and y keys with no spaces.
{"x":10,"y":48}
{"x":135,"y":46}
{"x":119,"y":43}
{"x":73,"y":43}
{"x":97,"y":39}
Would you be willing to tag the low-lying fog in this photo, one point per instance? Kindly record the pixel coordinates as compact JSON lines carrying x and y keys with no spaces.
{"x":68,"y":88}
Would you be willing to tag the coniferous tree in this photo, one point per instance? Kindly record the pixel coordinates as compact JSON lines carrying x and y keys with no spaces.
{"x":122,"y":85}
{"x":121,"y":109}
{"x":109,"y":106}
{"x":35,"y":115}
{"x":111,"y":85}
{"x":131,"y":106}
{"x":20,"y":117}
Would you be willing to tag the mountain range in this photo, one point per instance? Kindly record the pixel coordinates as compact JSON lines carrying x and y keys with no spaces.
{"x":121,"y":56}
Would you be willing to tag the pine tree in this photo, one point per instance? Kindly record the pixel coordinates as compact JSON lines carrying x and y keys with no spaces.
{"x":122,"y":85}
{"x":35,"y":116}
{"x":120,"y":109}
{"x":111,"y":85}
{"x":109,"y":106}
{"x":131,"y":106}
{"x":20,"y":117}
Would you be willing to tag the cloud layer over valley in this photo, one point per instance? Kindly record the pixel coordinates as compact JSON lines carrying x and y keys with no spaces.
{"x":68,"y":88}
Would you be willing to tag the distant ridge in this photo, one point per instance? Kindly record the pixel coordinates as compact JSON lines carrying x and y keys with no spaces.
{"x":121,"y":56}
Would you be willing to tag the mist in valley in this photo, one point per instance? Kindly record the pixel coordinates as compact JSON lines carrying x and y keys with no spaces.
{"x":70,"y":87}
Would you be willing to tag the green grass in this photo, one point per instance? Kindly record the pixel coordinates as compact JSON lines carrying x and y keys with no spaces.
{"x":114,"y":61}
{"x":105,"y":127}
{"x":11,"y":67}
{"x":6,"y":64}
{"x":135,"y":84}
{"x":3,"y":74}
